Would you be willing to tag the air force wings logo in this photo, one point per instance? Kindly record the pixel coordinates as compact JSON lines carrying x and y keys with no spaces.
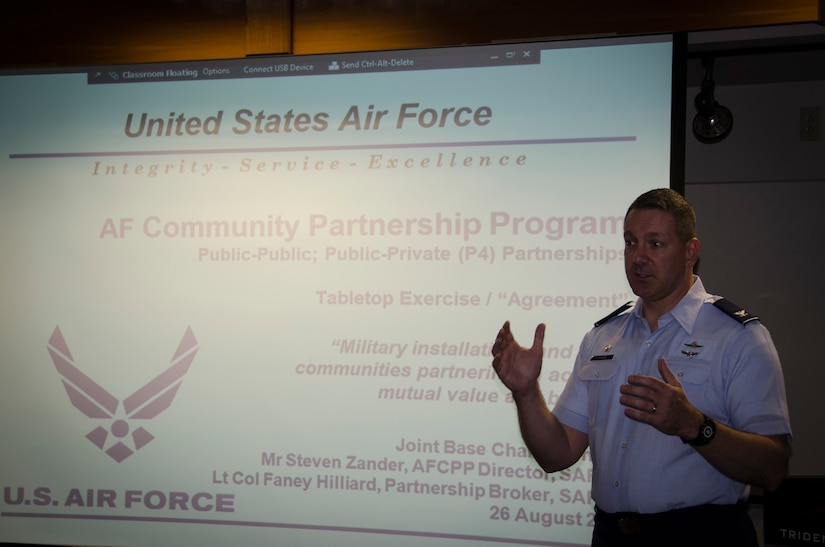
{"x":119,"y":438}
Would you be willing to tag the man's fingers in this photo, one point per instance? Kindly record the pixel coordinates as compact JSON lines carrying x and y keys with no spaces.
{"x":667,"y":374}
{"x":500,"y":337}
{"x":538,"y":337}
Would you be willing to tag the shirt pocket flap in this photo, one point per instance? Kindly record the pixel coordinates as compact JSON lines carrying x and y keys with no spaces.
{"x":691,"y":372}
{"x":599,"y":369}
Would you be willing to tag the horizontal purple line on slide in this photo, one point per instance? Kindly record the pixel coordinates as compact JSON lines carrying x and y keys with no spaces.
{"x":309,"y":527}
{"x":581,"y":140}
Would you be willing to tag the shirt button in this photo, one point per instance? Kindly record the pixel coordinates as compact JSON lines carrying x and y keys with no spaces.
{"x":617,"y":484}
{"x":624,"y":445}
{"x":648,"y":343}
{"x":680,"y":373}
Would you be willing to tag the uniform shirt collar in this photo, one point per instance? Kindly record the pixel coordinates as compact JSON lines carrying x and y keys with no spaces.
{"x":687,"y":310}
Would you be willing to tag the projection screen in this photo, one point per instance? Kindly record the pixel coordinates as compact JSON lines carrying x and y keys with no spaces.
{"x":251,"y":302}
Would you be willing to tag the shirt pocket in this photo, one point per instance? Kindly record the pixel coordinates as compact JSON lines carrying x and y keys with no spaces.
{"x":600,"y":376}
{"x":694,"y":375}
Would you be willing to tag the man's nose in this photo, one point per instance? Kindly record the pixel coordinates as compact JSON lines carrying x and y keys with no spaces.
{"x":639,"y":256}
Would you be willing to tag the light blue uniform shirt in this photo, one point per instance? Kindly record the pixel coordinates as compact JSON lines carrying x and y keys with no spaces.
{"x":729,"y":371}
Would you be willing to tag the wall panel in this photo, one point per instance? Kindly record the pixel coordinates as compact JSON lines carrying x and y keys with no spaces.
{"x":53,"y":33}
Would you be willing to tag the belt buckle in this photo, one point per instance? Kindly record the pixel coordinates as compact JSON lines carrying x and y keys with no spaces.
{"x":628,"y":525}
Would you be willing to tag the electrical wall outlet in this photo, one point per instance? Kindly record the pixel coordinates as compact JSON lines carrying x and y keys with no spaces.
{"x":810,"y":123}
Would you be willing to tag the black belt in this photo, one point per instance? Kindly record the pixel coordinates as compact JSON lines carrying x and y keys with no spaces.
{"x":699,"y":515}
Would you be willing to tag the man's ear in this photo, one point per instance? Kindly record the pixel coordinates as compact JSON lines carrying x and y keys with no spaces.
{"x":692,"y":252}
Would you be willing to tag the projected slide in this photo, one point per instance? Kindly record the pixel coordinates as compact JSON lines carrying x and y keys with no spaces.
{"x":252,"y":302}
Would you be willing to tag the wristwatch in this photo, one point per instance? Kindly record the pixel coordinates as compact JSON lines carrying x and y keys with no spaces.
{"x":706,"y":433}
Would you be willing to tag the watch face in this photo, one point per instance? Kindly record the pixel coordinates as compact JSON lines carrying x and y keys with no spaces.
{"x":707,"y":431}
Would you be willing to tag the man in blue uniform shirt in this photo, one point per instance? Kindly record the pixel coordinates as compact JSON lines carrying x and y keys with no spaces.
{"x":681,"y":399}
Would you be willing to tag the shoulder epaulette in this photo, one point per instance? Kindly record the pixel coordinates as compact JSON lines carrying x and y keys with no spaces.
{"x":740,"y":314}
{"x":613,"y":314}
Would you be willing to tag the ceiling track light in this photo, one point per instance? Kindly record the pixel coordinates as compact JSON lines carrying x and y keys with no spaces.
{"x":713,"y":122}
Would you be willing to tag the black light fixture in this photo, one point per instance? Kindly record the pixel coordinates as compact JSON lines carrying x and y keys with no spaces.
{"x":713,"y":122}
